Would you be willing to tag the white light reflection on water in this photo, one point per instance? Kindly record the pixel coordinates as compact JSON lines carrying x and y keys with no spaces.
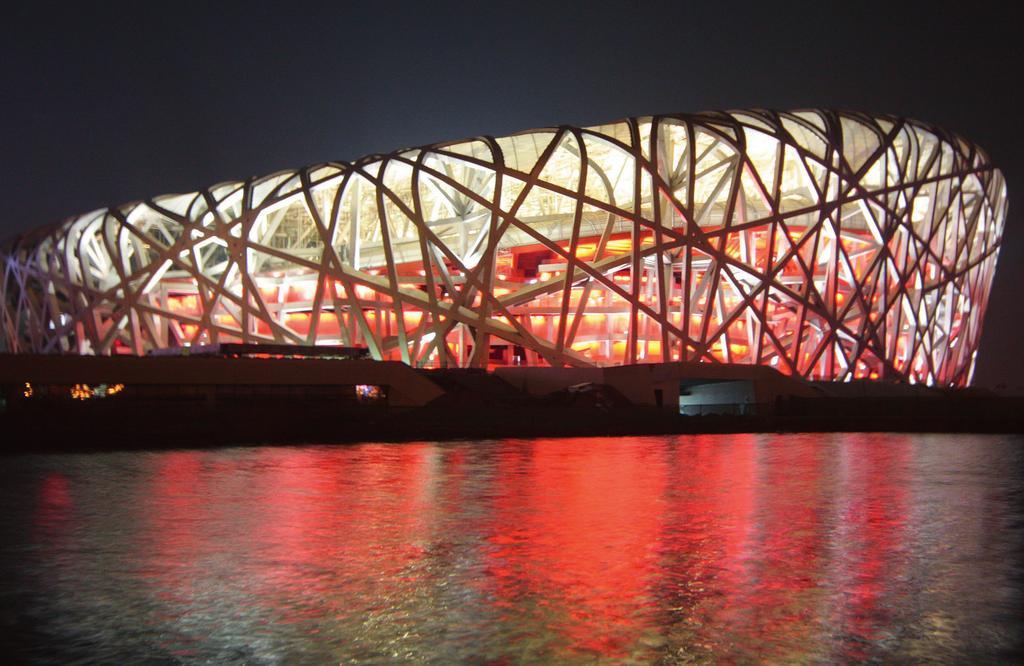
{"x":731,"y":548}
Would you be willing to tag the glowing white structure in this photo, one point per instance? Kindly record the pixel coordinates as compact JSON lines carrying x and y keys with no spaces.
{"x":829,"y":245}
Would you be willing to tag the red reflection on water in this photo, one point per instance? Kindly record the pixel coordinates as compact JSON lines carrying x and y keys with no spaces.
{"x":739,"y":548}
{"x":334,"y":528}
{"x":876,"y":515}
{"x":53,"y":508}
{"x":784,"y":588}
{"x":55,"y":493}
{"x":175,"y":504}
{"x":710,"y":549}
{"x":575,"y":539}
{"x":720,"y":547}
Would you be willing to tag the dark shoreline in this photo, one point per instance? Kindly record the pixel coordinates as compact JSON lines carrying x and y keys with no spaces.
{"x":98,"y":427}
{"x":93,"y":403}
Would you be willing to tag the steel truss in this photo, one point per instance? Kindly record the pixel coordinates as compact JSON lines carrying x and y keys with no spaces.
{"x":830,"y":245}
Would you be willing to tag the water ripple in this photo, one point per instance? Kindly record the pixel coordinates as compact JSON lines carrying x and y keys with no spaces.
{"x":708,"y":549}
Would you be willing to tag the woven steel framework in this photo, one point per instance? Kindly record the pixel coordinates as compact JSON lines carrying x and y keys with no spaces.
{"x":829,"y":245}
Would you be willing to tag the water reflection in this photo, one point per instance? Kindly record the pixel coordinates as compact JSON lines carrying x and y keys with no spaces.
{"x":776,"y":548}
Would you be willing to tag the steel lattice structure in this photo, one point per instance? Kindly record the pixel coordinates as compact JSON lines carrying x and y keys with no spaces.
{"x":830,"y":245}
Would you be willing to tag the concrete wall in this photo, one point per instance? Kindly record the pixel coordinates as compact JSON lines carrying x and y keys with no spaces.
{"x":640,"y":383}
{"x":406,"y":387}
{"x":543,"y":381}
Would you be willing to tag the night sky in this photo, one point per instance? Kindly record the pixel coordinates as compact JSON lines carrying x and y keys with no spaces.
{"x":103,"y":105}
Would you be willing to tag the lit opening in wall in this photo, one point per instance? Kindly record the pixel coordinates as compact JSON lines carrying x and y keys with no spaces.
{"x":370,"y":393}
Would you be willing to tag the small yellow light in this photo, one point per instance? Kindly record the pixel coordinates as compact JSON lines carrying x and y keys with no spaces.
{"x":28,"y":392}
{"x":81,"y":392}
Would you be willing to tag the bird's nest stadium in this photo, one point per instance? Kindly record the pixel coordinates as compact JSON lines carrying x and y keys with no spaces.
{"x":826,"y":244}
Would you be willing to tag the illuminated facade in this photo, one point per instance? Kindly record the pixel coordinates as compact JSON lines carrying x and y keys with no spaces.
{"x":829,"y":245}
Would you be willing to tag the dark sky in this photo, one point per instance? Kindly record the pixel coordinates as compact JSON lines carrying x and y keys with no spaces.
{"x":104,"y":104}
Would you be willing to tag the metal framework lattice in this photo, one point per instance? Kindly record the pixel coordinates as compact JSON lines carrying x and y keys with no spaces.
{"x":830,"y":245}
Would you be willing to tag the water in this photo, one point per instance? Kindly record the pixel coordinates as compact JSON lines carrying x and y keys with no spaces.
{"x":727,"y":549}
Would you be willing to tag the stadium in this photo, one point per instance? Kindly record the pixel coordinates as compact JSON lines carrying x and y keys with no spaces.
{"x":828,"y":245}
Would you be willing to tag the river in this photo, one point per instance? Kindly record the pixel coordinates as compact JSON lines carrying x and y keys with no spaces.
{"x":673,"y":549}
